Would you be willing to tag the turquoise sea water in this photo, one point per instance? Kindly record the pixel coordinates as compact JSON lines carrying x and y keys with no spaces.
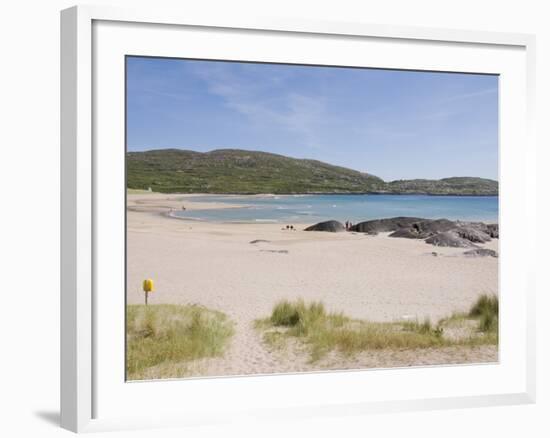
{"x":356,"y":208}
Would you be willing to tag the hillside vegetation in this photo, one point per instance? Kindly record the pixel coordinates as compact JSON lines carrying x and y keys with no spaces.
{"x":249,"y":172}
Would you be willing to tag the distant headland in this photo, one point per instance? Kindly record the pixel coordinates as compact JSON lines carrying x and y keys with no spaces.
{"x":235,"y":171}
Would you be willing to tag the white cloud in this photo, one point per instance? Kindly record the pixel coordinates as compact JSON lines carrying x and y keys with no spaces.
{"x":258,"y":100}
{"x":470,"y":95}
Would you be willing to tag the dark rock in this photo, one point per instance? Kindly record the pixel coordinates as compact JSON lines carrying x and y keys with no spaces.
{"x":407,"y":233}
{"x":330,"y":226}
{"x":493,"y":230}
{"x":472,"y":234}
{"x":449,"y":233}
{"x":490,"y":229}
{"x":384,"y":225}
{"x":480,"y":252}
{"x":438,"y":232}
{"x":430,"y":227}
{"x":425,"y":228}
{"x":449,"y":238}
{"x":408,"y":227}
{"x":259,"y":241}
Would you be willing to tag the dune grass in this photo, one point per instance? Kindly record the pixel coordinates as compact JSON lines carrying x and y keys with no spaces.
{"x":485,"y":309}
{"x":165,"y":336}
{"x":324,"y":331}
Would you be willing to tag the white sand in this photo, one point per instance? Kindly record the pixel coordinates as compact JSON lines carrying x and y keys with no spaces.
{"x":373,"y":277}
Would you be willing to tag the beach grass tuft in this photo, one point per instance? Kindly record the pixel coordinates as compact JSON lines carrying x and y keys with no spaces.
{"x":485,"y":309}
{"x":324,"y":331}
{"x":425,"y":327}
{"x":168,"y":334}
{"x":287,"y":314}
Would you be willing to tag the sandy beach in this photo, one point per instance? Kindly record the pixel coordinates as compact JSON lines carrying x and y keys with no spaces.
{"x":378,"y":278}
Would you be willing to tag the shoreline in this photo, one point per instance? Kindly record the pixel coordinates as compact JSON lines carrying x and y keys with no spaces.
{"x":169,"y":204}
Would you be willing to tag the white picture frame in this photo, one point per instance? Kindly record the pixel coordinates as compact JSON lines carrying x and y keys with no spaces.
{"x":86,"y":380}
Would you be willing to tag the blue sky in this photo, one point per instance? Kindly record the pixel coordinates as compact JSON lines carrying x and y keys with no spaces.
{"x":394,"y":124}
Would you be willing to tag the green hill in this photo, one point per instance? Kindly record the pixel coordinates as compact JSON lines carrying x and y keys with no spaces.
{"x":248,"y":172}
{"x":446,"y":186}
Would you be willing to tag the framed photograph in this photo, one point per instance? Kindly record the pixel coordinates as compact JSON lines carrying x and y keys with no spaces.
{"x":279,"y":219}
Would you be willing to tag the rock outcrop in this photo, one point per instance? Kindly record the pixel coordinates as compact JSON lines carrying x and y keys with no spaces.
{"x":384,"y":225}
{"x":480,"y":252}
{"x":330,"y":226}
{"x":449,"y":238}
{"x":493,"y":230}
{"x":438,"y":232}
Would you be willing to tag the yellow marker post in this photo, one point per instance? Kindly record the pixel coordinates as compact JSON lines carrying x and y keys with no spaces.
{"x":148,"y":286}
